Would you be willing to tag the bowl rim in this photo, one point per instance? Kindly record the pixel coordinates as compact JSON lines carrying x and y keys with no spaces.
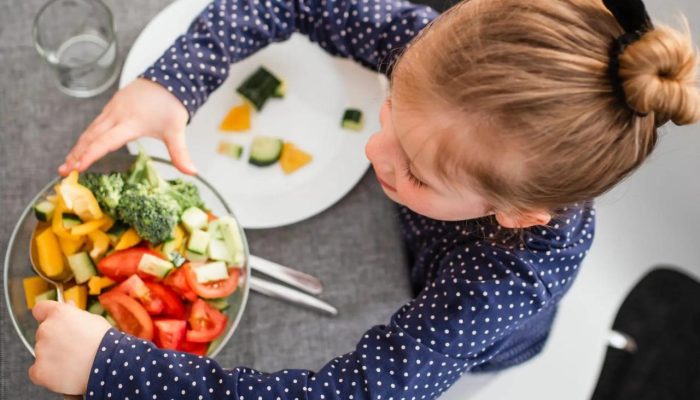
{"x":35,"y":199}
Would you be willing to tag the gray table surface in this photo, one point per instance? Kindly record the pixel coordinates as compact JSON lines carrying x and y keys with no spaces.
{"x":354,"y":246}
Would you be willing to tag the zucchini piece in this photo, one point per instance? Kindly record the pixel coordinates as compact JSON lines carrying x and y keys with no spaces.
{"x":220,"y":304}
{"x":265,"y":150}
{"x":44,"y":210}
{"x":218,"y":251}
{"x":234,"y":243}
{"x":193,"y":218}
{"x":47,"y":295}
{"x":154,"y":266}
{"x":199,"y":242}
{"x":352,"y":119}
{"x":259,"y":87}
{"x":232,"y":150}
{"x":211,"y":272}
{"x":82,"y":266}
{"x":281,"y":90}
{"x":71,"y":220}
{"x":96,"y":308}
{"x":177,"y":259}
{"x":195,"y":257}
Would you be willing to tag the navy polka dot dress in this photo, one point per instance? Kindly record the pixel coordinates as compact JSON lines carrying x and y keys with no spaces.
{"x":485,"y":300}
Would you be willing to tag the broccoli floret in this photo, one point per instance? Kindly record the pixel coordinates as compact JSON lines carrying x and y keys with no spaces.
{"x":185,"y":193}
{"x":153,"y":205}
{"x":107,"y":189}
{"x":152,"y":213}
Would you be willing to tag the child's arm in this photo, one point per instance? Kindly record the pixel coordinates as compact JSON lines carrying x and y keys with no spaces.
{"x":228,"y":31}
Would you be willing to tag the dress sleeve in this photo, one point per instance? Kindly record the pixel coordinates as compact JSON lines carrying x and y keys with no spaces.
{"x":227,"y":31}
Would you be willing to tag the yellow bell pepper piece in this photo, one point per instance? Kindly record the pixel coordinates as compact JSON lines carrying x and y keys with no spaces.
{"x":293,"y":158}
{"x":97,"y":283}
{"x":49,"y":251}
{"x":80,"y":200}
{"x":108,"y":223}
{"x":179,"y":236}
{"x":129,"y":239}
{"x":78,"y":294}
{"x":71,"y":246}
{"x":100,"y":244}
{"x":57,"y":222}
{"x":86,"y":228}
{"x":72,"y":178}
{"x":34,"y":286}
{"x":237,"y":119}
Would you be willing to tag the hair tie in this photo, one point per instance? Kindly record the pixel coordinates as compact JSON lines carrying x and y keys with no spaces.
{"x":634,"y":20}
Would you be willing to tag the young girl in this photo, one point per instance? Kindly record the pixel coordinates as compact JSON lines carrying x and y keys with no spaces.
{"x":503,"y":114}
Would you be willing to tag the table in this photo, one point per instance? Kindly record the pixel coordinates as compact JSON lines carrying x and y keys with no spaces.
{"x":354,"y":247}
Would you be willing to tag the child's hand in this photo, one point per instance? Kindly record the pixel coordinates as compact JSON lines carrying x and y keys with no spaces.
{"x":66,"y":343}
{"x":142,"y":108}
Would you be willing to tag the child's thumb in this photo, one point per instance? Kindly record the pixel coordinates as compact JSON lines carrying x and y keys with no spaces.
{"x":177,"y":147}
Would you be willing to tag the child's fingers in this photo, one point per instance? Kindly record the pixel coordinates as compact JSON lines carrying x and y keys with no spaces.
{"x":107,"y":142}
{"x":43,"y":309}
{"x":177,"y":147}
{"x":86,"y":139}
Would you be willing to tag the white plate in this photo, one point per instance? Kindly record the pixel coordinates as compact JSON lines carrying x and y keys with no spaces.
{"x":319,"y":89}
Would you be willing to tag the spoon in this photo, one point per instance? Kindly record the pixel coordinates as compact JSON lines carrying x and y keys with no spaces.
{"x":57,"y":282}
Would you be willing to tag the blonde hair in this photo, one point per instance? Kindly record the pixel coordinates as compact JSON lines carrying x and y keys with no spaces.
{"x":537,"y":72}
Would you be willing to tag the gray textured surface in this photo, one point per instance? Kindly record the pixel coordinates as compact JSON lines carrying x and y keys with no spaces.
{"x":354,"y":247}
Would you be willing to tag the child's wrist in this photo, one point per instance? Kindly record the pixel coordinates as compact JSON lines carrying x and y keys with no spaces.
{"x":105,"y":357}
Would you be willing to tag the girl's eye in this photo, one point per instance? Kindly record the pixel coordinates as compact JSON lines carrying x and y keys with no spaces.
{"x":412,"y":178}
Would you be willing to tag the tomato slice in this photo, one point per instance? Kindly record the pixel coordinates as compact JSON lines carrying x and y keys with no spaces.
{"x":199,"y":349}
{"x":206,"y":322}
{"x":122,"y":264}
{"x":173,"y":307}
{"x":169,"y":333}
{"x":130,"y":316}
{"x":177,"y":281}
{"x":136,"y":288}
{"x":213,"y":290}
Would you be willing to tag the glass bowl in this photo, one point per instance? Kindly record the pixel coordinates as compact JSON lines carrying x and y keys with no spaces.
{"x":18,"y":266}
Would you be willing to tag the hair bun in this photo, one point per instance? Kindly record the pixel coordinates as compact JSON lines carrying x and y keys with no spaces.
{"x":659,"y":74}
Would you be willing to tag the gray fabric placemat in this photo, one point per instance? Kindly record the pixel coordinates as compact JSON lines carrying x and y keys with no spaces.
{"x":354,"y":247}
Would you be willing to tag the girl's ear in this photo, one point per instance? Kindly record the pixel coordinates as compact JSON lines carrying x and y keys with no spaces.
{"x":523,"y":220}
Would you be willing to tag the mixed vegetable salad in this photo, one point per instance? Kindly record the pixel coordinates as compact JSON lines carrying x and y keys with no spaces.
{"x":143,"y":252}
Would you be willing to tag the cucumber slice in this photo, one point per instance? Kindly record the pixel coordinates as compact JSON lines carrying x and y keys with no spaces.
{"x":195,"y":257}
{"x":116,"y":232}
{"x":193,"y":218}
{"x":154,"y":266}
{"x":82,"y":266}
{"x":232,"y":238}
{"x":96,"y":308}
{"x":71,"y":220}
{"x":259,"y":87}
{"x":47,"y":295}
{"x":213,"y":229}
{"x":169,"y":248}
{"x":177,"y":259}
{"x":211,"y":272}
{"x":219,"y":304}
{"x":218,"y":251}
{"x":44,"y":211}
{"x":199,"y":242}
{"x":352,"y":119}
{"x":265,"y":150}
